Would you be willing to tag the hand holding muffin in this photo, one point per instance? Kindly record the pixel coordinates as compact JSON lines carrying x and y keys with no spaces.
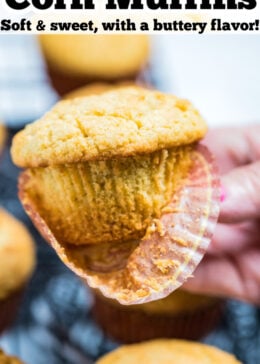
{"x":235,"y":249}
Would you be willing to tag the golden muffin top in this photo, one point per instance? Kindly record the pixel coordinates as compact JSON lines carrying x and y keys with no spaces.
{"x":5,"y":359}
{"x":168,"y":352}
{"x":17,"y":255}
{"x":100,"y":56}
{"x":118,"y":123}
{"x":2,"y":136}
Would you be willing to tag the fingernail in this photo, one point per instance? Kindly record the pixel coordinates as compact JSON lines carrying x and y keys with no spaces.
{"x":223,"y":194}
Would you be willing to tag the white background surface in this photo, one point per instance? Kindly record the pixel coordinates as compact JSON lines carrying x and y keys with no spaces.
{"x":219,"y":73}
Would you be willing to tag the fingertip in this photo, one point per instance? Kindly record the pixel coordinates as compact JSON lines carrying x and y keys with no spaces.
{"x":223,"y":193}
{"x":240,"y":200}
{"x":229,"y":205}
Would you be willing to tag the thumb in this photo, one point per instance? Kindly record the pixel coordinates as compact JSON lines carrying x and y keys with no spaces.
{"x":241,"y":189}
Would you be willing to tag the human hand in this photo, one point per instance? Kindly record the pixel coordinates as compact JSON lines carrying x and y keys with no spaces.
{"x":231,"y":266}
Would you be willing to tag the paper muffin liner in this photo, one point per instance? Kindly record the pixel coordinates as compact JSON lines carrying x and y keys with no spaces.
{"x":165,"y":257}
{"x":133,"y":325}
{"x":9,"y":307}
{"x":108,"y":201}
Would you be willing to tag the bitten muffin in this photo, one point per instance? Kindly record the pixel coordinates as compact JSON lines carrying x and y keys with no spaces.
{"x":181,"y":315}
{"x":17,"y":258}
{"x":168,"y":352}
{"x":6,"y":359}
{"x":2,"y":137}
{"x":101,"y":169}
{"x":74,"y":60}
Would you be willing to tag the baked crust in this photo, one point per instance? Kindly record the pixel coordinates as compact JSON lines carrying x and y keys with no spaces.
{"x":119,"y":123}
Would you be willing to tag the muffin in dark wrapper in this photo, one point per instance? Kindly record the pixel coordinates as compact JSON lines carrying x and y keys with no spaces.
{"x":73,"y":61}
{"x":180,"y":315}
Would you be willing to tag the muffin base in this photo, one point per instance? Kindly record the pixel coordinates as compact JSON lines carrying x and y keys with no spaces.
{"x":108,"y":200}
{"x":130,"y":326}
{"x":9,"y":307}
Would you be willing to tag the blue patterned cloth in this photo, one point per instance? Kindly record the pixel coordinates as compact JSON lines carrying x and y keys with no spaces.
{"x":25,"y":93}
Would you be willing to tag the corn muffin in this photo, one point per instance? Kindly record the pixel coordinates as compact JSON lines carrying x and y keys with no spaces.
{"x":74,"y":60}
{"x":180,"y":315}
{"x":101,"y":171}
{"x":17,"y":257}
{"x":168,"y":352}
{"x":100,"y":174}
{"x":6,"y":359}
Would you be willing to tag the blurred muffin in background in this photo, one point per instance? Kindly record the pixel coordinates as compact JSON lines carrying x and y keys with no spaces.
{"x":181,"y":315}
{"x":74,"y":60}
{"x":168,"y":351}
{"x":6,"y":359}
{"x":17,"y":257}
{"x":2,"y":137}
